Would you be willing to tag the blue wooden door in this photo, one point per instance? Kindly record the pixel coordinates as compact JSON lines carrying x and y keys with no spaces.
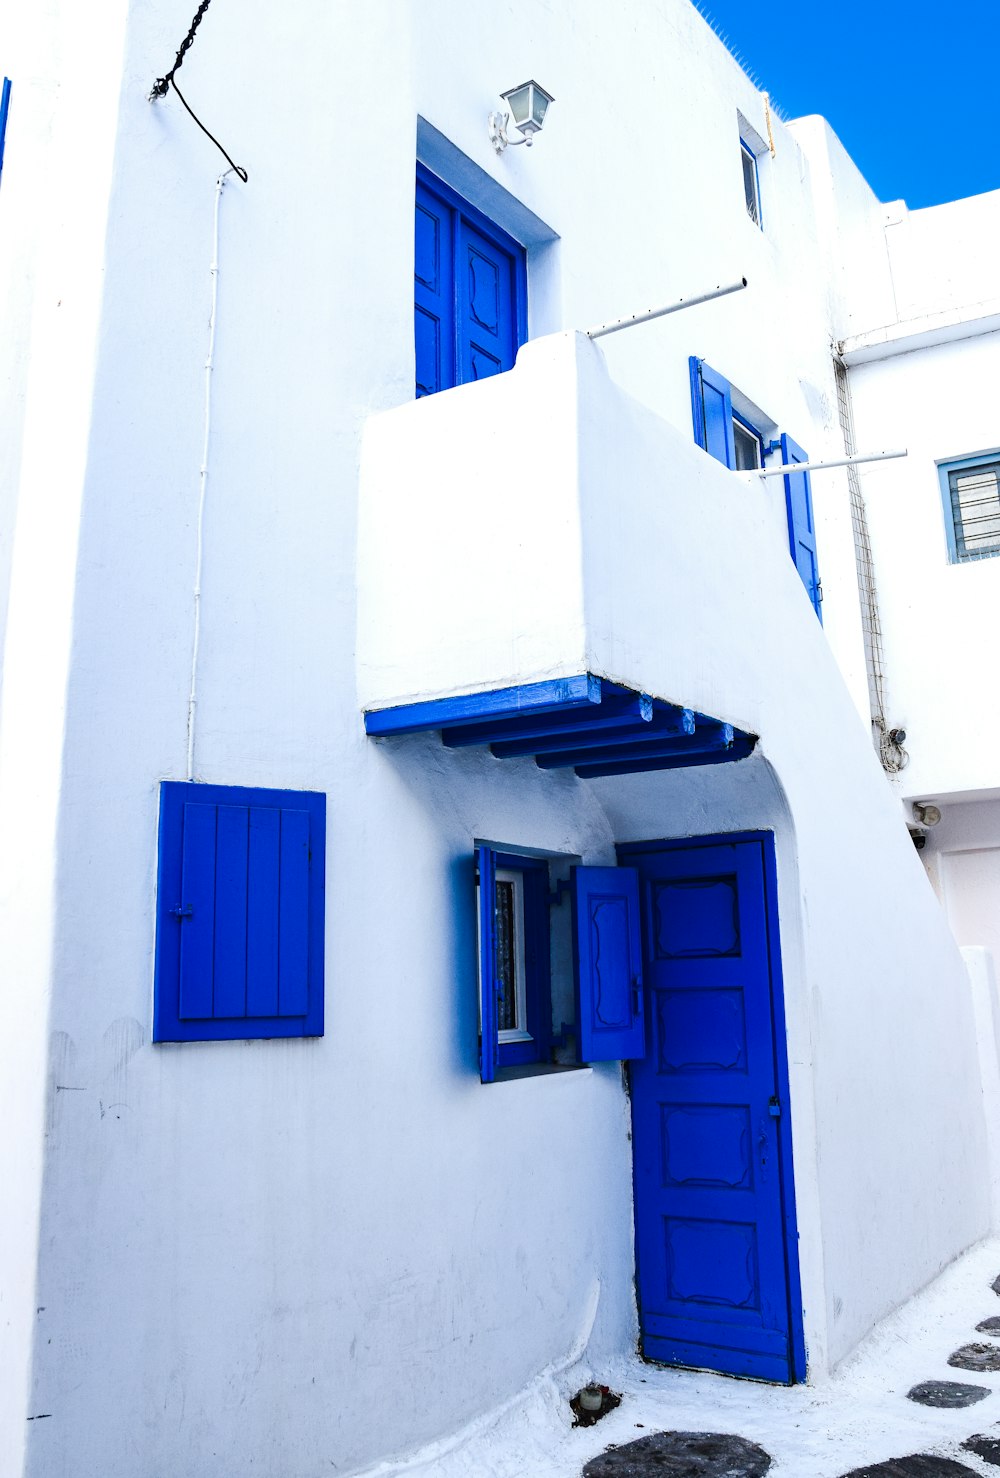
{"x":716,"y":1262}
{"x":469,"y":291}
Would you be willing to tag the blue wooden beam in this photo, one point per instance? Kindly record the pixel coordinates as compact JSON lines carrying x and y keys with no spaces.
{"x":703,"y":741}
{"x":639,"y":709}
{"x":738,"y":750}
{"x":600,"y":733}
{"x":471,"y":708}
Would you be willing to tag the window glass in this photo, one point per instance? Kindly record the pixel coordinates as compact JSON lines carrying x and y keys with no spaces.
{"x":747,"y":447}
{"x":750,"y":184}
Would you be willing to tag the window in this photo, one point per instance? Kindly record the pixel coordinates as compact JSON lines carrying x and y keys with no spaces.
{"x":738,"y":443}
{"x":748,"y":445}
{"x":239,"y":913}
{"x":751,"y":182}
{"x":971,"y":492}
{"x":469,"y":291}
{"x":516,"y":957}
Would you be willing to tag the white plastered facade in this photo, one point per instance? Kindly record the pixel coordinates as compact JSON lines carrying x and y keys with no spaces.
{"x":298,"y":1254}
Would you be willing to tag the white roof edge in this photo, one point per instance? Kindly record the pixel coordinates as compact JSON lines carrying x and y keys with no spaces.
{"x":921,"y":333}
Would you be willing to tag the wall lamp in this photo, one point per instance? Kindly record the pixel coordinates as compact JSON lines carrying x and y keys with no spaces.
{"x":925,"y":813}
{"x":527,"y":105}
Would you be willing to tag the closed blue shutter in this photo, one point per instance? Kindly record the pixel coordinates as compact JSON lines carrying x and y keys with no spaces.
{"x":607,"y":956}
{"x":712,"y":412}
{"x":801,"y":528}
{"x":240,"y":918}
{"x":489,"y":1044}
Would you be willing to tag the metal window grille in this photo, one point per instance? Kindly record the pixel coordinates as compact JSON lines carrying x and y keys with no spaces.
{"x":975,"y":510}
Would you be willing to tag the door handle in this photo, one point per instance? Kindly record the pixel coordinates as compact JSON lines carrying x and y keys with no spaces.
{"x":636,"y":995}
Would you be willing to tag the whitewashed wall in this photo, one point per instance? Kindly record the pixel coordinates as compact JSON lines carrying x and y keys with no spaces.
{"x":65,"y":65}
{"x":250,"y":1251}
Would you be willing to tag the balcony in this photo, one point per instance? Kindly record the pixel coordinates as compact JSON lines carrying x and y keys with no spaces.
{"x":539,"y":551}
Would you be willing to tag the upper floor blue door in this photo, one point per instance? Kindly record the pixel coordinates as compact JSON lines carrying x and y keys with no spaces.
{"x":469,"y":291}
{"x":716,"y":1253}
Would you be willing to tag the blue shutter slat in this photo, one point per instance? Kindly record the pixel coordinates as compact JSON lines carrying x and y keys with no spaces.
{"x":801,"y":527}
{"x":489,"y":1045}
{"x":607,"y":958}
{"x":197,"y":921}
{"x":262,"y":911}
{"x":712,"y":411}
{"x":230,"y":998}
{"x":293,"y":915}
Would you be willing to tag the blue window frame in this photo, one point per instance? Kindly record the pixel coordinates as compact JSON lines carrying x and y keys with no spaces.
{"x":738,"y":444}
{"x":514,"y":960}
{"x":515,"y":982}
{"x":469,"y":291}
{"x":970,"y":493}
{"x":239,"y":913}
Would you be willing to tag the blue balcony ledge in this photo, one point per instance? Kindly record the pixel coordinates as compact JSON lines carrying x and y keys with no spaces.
{"x":584,"y":723}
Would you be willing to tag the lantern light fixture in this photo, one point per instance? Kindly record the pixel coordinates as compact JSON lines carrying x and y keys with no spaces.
{"x":528,"y":104}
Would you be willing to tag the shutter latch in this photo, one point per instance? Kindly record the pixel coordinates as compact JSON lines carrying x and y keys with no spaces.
{"x":183,"y":911}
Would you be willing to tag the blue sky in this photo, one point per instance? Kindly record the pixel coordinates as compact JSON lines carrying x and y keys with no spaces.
{"x":910,"y":88}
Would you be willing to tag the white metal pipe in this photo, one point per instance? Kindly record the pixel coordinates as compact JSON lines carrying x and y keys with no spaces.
{"x":787,"y":467}
{"x":220,"y":185}
{"x":619,"y":323}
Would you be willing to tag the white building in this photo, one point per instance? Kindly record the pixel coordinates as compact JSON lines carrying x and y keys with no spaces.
{"x":272,"y":1195}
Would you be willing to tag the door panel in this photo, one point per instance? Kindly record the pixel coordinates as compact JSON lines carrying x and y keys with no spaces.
{"x":469,"y":291}
{"x":714,"y":1287}
{"x":487,"y":331}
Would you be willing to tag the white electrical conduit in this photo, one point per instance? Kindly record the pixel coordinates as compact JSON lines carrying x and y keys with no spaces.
{"x":787,"y":467}
{"x":203,"y":477}
{"x":619,"y":323}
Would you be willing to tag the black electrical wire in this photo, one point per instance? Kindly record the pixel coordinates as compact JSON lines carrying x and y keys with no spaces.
{"x":161,"y":85}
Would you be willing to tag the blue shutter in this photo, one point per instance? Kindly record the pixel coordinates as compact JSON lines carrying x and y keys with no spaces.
{"x":4,"y":109}
{"x":240,"y":918}
{"x":489,"y":1042}
{"x":607,"y":958}
{"x":801,"y":529}
{"x":712,"y":412}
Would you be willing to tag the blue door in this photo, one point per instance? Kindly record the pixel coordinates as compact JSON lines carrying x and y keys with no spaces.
{"x":469,"y":291}
{"x":714,"y":1214}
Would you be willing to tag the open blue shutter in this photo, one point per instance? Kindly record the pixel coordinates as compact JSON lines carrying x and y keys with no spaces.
{"x":239,"y":950}
{"x":489,"y":1041}
{"x":712,"y":412}
{"x":801,"y":528}
{"x":607,"y":958}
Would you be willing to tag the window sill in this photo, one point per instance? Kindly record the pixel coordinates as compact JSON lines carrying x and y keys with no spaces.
{"x":539,"y":1070}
